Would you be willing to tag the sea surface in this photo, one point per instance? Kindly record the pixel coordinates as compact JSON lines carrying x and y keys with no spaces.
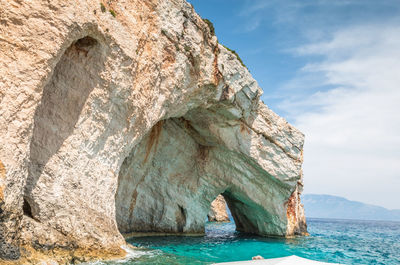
{"x":330,"y":240}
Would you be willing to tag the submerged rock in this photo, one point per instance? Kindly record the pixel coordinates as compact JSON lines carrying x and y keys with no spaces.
{"x":218,"y":212}
{"x":132,"y":121}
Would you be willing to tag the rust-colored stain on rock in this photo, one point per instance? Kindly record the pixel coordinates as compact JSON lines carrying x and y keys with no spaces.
{"x":244,"y":128}
{"x":153,"y":138}
{"x":216,"y":73}
{"x":291,"y":208}
{"x":168,"y":56}
{"x":2,"y":177}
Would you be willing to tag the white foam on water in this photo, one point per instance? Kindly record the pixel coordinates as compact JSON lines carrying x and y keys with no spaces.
{"x":131,"y":254}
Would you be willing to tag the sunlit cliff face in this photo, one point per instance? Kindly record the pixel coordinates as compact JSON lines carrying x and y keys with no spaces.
{"x":133,"y":123}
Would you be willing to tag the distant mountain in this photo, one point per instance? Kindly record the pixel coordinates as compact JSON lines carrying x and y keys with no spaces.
{"x":328,"y":206}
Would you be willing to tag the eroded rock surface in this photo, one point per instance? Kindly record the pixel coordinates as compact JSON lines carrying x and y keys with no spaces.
{"x":218,"y":211}
{"x":132,"y":123}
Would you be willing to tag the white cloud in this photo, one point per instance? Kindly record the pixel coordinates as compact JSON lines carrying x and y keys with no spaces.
{"x":352,"y":128}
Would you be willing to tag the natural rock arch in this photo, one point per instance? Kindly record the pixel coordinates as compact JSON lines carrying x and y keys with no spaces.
{"x":170,"y":178}
{"x":156,"y":84}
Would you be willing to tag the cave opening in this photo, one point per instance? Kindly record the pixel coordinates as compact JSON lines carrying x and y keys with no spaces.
{"x":240,"y":212}
{"x":229,"y":208}
{"x":168,"y":181}
{"x":154,"y":179}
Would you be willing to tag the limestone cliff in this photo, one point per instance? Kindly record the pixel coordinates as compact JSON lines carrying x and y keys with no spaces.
{"x":129,"y":117}
{"x":218,"y":211}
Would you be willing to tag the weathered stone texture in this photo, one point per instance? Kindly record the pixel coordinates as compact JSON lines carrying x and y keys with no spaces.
{"x":133,"y":123}
{"x":218,"y":211}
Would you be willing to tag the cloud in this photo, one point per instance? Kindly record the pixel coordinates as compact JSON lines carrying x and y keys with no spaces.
{"x":352,"y":124}
{"x":258,"y":12}
{"x":254,"y":6}
{"x":291,"y":13}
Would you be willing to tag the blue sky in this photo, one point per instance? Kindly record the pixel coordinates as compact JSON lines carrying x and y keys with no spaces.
{"x":331,"y":68}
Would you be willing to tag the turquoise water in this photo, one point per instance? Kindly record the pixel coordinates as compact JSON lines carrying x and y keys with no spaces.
{"x":340,"y":241}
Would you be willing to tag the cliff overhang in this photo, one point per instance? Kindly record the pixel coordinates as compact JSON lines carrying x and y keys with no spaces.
{"x":132,"y":121}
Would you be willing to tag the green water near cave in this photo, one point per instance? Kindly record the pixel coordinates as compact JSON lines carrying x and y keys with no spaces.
{"x":339,"y":241}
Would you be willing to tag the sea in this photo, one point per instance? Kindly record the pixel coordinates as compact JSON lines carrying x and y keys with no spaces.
{"x":330,"y":240}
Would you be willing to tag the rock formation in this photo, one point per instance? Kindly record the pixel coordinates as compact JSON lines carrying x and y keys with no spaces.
{"x":218,"y":212}
{"x":129,"y":117}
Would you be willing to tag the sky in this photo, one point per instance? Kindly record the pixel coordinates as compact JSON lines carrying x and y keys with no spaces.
{"x":332,"y":69}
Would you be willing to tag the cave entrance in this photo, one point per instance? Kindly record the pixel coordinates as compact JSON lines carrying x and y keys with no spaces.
{"x":158,"y":183}
{"x":229,"y":208}
{"x":168,"y":181}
